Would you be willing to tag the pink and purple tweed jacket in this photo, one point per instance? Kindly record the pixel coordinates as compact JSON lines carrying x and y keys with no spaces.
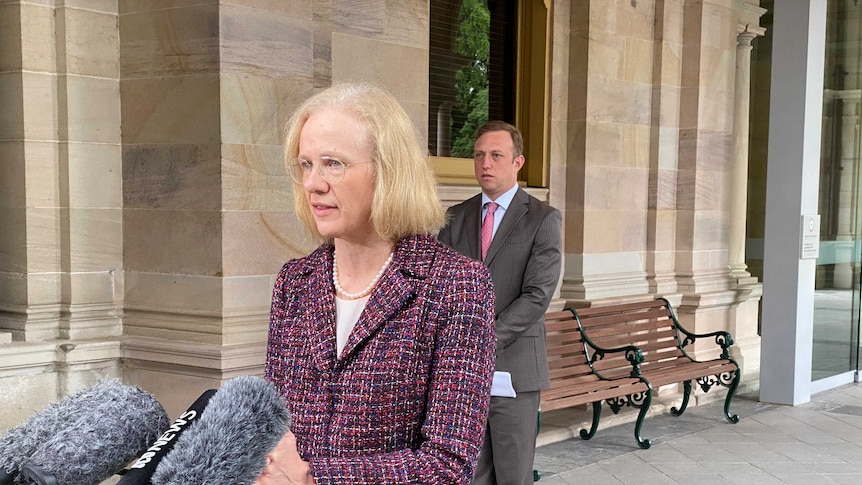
{"x":407,"y":401}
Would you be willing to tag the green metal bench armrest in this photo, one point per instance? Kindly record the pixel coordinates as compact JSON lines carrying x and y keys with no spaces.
{"x":596,"y":352}
{"x":722,"y":338}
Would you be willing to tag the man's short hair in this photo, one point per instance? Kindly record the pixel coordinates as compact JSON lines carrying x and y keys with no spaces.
{"x":498,"y":125}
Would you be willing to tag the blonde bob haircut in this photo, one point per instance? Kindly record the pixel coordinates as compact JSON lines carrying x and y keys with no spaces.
{"x":405,"y":198}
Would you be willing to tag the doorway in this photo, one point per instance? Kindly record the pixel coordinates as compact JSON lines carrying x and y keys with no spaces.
{"x":838,"y":282}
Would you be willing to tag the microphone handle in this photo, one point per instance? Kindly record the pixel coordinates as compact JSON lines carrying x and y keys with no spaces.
{"x":141,"y":472}
{"x":32,"y":473}
{"x":6,"y":478}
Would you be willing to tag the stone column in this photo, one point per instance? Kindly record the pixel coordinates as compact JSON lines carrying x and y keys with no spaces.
{"x":739,"y":172}
{"x":608,"y":143}
{"x":62,"y":238}
{"x":848,"y":102}
{"x":664,"y":142}
{"x":206,"y":199}
{"x":444,"y":129}
{"x":30,"y":241}
{"x":206,"y":91}
{"x":60,"y":202}
{"x":712,"y":178}
{"x":744,"y":311}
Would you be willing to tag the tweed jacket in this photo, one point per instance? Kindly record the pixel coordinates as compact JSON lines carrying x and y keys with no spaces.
{"x":525,"y":260}
{"x":407,"y":401}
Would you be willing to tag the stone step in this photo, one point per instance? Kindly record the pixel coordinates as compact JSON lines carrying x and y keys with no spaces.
{"x":5,"y":337}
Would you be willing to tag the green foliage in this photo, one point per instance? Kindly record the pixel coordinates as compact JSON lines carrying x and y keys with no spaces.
{"x":471,"y":81}
{"x":462,"y":145}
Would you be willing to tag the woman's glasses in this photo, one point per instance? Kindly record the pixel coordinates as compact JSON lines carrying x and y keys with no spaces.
{"x":330,"y":169}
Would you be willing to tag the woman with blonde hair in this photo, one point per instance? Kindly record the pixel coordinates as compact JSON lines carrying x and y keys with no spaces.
{"x":382,"y":339}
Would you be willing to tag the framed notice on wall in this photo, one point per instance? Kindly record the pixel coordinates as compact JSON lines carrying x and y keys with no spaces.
{"x":809,"y":244}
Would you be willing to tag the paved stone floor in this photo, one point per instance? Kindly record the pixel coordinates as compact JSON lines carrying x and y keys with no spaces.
{"x":819,"y":442}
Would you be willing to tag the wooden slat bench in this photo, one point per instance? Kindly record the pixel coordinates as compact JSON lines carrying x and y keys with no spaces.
{"x":574,"y":381}
{"x":653,"y":328}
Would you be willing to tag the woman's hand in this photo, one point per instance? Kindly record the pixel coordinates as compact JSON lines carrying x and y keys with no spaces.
{"x":284,"y":465}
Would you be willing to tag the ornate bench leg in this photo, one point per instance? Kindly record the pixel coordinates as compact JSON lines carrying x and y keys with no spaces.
{"x":644,"y":407}
{"x":730,"y":392}
{"x":678,"y":412}
{"x":597,"y":414}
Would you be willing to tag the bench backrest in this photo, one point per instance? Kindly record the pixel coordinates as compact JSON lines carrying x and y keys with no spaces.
{"x":565,"y":349}
{"x":647,"y":325}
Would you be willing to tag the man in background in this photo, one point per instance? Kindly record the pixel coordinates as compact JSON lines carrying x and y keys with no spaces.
{"x":518,"y":237}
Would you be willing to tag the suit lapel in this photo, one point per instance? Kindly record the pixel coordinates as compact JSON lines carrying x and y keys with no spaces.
{"x":473,"y":228}
{"x":517,"y":209}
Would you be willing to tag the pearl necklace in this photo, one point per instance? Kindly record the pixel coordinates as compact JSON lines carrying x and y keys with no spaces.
{"x":367,"y":290}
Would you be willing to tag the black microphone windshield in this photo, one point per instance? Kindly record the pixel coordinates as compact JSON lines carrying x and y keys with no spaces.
{"x":20,"y":442}
{"x":140,"y":472}
{"x":228,"y":444}
{"x":101,"y":441}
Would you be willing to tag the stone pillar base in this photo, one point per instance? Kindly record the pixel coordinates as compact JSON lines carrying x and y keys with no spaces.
{"x":662,"y":283}
{"x":673,"y":298}
{"x":739,"y":272}
{"x":177,"y":372}
{"x":36,"y":323}
{"x":604,"y":287}
{"x":33,"y":375}
{"x":91,"y":321}
{"x":735,"y":310}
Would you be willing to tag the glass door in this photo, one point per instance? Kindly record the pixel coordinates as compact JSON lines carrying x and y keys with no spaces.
{"x":837,"y":296}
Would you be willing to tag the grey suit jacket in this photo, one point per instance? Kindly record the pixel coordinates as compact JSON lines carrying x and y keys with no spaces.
{"x":525,"y":263}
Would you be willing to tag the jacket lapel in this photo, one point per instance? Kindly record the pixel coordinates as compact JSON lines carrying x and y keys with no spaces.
{"x":517,"y":209}
{"x":396,"y":287}
{"x":321,"y":312}
{"x":386,"y":299}
{"x":473,"y":228}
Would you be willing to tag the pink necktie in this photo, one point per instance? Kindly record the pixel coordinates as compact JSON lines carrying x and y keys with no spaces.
{"x":488,"y":227}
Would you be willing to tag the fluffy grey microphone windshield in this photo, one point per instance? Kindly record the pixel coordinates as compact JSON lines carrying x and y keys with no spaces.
{"x":17,"y":444}
{"x":103,"y":439}
{"x":228,"y":444}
